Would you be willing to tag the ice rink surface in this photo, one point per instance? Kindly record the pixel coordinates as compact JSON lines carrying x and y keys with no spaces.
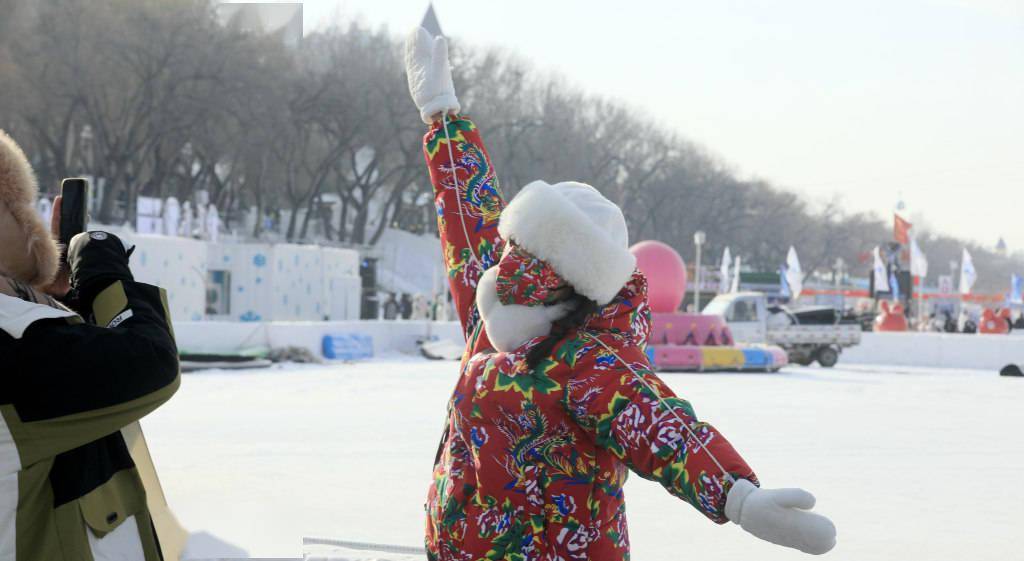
{"x":911,"y":464}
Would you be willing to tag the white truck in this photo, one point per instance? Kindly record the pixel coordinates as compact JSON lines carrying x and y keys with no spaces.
{"x":813,"y":334}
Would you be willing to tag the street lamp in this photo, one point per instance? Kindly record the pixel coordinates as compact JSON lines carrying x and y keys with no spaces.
{"x":698,"y":240}
{"x":839,"y":267}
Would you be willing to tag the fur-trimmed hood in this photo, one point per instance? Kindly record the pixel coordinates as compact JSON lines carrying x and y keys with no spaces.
{"x":577,"y":231}
{"x":28,"y":252}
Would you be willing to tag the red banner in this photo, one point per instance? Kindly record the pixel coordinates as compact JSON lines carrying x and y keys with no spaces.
{"x":901,"y":230}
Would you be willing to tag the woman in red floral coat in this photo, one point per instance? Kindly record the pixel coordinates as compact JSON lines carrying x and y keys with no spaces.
{"x":556,"y":401}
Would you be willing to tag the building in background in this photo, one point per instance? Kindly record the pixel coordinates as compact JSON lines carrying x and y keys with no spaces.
{"x":430,"y":22}
{"x":280,"y":20}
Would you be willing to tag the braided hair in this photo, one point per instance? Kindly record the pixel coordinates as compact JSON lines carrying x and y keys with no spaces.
{"x":582,"y":307}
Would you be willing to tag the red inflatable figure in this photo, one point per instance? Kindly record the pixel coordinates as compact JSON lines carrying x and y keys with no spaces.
{"x":891,"y":318}
{"x":995,"y":321}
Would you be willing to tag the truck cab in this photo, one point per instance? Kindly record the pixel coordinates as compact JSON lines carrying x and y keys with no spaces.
{"x":745,"y":312}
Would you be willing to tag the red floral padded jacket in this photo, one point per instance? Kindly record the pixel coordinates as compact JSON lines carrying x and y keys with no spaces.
{"x":532,"y":464}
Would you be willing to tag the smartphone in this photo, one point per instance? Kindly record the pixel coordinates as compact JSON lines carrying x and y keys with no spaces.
{"x":74,"y":194}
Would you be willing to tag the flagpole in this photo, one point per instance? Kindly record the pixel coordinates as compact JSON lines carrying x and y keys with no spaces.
{"x":920,"y":302}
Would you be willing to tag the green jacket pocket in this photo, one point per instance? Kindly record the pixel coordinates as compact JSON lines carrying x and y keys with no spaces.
{"x":107,"y":506}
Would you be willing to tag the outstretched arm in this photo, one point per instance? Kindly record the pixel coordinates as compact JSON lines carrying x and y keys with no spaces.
{"x":466,"y":191}
{"x":634,"y":415}
{"x":641,"y":421}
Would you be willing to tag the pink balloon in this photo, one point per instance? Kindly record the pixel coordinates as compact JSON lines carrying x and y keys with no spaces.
{"x":665,"y":272}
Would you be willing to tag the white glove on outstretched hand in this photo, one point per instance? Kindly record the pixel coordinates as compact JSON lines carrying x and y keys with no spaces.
{"x":429,"y":74}
{"x":780,"y":516}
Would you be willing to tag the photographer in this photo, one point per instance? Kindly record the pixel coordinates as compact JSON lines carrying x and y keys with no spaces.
{"x":70,"y":380}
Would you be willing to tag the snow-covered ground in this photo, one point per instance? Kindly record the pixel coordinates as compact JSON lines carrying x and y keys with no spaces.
{"x":911,"y":464}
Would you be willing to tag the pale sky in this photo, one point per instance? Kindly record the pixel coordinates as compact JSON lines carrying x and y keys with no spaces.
{"x":871,"y":99}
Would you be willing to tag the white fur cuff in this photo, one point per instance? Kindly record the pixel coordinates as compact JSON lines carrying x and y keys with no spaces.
{"x":734,"y":501}
{"x":446,"y":102}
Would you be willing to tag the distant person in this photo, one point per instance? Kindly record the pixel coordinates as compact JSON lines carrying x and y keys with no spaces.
{"x":391,"y":307}
{"x":72,"y":378}
{"x":1019,"y":323}
{"x":555,"y":400}
{"x":405,"y":305}
{"x":969,"y":326}
{"x":441,"y":306}
{"x":950,"y":324}
{"x":421,"y":308}
{"x":450,"y":313}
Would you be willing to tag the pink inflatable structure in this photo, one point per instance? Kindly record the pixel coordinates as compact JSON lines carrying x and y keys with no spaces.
{"x":681,"y":341}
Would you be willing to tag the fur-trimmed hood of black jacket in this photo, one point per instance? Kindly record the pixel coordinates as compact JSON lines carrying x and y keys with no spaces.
{"x":28,"y":252}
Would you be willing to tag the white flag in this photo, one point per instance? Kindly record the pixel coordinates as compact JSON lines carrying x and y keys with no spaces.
{"x":918,"y":262}
{"x":723,"y":283}
{"x":736,"y":276}
{"x":967,"y":273}
{"x":881,"y":279}
{"x":794,"y":275}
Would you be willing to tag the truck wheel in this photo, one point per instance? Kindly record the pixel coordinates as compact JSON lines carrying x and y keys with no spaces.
{"x":827,"y":357}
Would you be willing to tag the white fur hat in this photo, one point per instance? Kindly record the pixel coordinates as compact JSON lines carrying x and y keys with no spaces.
{"x":581,"y":234}
{"x":28,"y":252}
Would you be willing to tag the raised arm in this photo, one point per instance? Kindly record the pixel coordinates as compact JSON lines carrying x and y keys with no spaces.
{"x":466,"y":191}
{"x":468,"y":203}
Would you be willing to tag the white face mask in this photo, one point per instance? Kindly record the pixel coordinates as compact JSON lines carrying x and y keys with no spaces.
{"x":509,"y":326}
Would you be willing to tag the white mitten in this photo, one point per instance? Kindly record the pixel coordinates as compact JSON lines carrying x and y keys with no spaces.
{"x":780,"y":516}
{"x":429,"y":74}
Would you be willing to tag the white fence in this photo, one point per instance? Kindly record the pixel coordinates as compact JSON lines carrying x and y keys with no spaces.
{"x":937,"y":350}
{"x":933,"y":350}
{"x":231,"y":336}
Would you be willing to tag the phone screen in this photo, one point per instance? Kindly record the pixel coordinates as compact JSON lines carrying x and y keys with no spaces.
{"x":73,"y":208}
